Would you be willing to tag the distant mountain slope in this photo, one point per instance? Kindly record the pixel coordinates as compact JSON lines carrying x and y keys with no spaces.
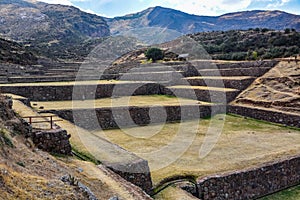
{"x":249,"y":44}
{"x":186,"y":23}
{"x":57,"y":28}
{"x":14,"y":53}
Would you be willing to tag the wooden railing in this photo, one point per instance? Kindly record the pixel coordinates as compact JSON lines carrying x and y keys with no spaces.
{"x":50,"y":117}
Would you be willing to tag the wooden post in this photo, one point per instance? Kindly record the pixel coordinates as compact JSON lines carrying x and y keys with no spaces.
{"x":30,"y":120}
{"x":51,"y":120}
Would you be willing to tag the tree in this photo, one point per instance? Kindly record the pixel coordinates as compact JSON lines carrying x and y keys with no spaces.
{"x":154,"y":54}
{"x":254,"y":55}
{"x":287,"y":31}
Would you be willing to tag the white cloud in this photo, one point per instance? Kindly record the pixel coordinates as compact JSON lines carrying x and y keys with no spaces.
{"x":198,"y":7}
{"x":277,"y":4}
{"x":205,"y":7}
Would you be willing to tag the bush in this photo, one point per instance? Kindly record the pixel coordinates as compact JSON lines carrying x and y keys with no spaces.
{"x":154,"y":54}
{"x":287,"y":31}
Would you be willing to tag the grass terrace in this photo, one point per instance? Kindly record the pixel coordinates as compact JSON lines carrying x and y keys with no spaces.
{"x":150,"y":100}
{"x":244,"y":143}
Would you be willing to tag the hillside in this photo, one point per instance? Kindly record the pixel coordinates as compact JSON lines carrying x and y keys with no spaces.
{"x":250,"y":44}
{"x":278,"y":90}
{"x":15,"y":53}
{"x":65,"y":32}
{"x":29,"y":173}
{"x":53,"y":30}
{"x":186,"y":23}
{"x":254,"y":44}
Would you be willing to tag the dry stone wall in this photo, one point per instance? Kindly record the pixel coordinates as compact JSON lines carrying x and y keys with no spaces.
{"x":53,"y":141}
{"x":140,"y":115}
{"x":252,"y":183}
{"x":65,"y":92}
{"x":287,"y":119}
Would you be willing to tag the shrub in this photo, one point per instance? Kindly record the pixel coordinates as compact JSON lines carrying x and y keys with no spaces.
{"x":287,"y":31}
{"x":154,"y":54}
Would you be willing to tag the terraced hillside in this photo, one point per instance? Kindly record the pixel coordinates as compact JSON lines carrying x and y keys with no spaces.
{"x":249,"y":45}
{"x":279,"y":89}
{"x":243,"y":143}
{"x":275,"y":92}
{"x":13,"y":52}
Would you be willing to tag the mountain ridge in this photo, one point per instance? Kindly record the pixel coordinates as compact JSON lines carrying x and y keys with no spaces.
{"x":188,"y":23}
{"x":66,"y":32}
{"x":57,"y":30}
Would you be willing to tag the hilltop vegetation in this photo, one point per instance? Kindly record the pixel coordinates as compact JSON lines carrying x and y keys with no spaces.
{"x":15,"y":53}
{"x":251,"y":44}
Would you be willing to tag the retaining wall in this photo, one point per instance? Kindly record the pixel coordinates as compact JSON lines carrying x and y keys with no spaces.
{"x":65,"y":92}
{"x":215,"y":96}
{"x":53,"y":141}
{"x":140,"y":115}
{"x":252,"y":183}
{"x":255,"y":72}
{"x":227,"y":83}
{"x":287,"y":119}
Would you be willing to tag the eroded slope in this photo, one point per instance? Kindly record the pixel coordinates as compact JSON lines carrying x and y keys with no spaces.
{"x":279,"y":89}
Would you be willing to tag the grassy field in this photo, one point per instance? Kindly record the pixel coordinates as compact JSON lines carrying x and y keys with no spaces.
{"x":150,"y":100}
{"x":244,"y":143}
{"x":289,"y":194}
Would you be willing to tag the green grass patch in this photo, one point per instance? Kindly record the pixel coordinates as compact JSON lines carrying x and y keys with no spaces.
{"x":5,"y":138}
{"x":85,"y":156}
{"x":20,"y":164}
{"x":254,"y":122}
{"x":288,"y":194}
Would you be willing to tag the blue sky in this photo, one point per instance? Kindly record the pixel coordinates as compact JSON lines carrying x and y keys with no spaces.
{"x":112,"y":8}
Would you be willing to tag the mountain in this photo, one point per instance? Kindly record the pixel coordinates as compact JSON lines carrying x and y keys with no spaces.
{"x":13,"y":52}
{"x":249,"y":44}
{"x":65,"y":32}
{"x":57,"y":30}
{"x":186,"y":23}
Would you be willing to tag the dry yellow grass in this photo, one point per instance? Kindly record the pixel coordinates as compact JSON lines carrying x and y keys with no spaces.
{"x":150,"y":100}
{"x":27,"y":173}
{"x":219,"y":77}
{"x":172,"y":193}
{"x":67,"y":83}
{"x":25,"y":111}
{"x":25,"y":186}
{"x":277,"y":90}
{"x":203,"y":88}
{"x":243,"y":143}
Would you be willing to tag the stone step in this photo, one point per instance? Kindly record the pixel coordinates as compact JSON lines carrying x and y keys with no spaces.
{"x":162,"y":76}
{"x":185,"y":70}
{"x":3,"y":79}
{"x":266,"y":114}
{"x":204,"y":64}
{"x":81,"y":90}
{"x":58,"y":78}
{"x":235,"y":82}
{"x":101,"y":117}
{"x":203,"y":93}
{"x":254,"y":72}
